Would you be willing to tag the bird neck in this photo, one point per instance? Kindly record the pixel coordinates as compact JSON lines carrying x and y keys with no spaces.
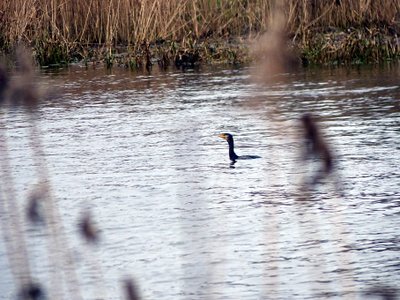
{"x":232,"y":154}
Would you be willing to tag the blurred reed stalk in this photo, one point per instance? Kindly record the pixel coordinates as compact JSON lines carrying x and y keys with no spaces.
{"x":272,"y":50}
{"x":131,"y":292}
{"x":59,"y":29}
{"x":22,"y":92}
{"x":11,"y":220}
{"x":11,"y":224}
{"x":276,"y":59}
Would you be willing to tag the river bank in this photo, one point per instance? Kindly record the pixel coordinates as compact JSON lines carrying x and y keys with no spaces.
{"x":328,"y":46}
{"x":143,"y":34}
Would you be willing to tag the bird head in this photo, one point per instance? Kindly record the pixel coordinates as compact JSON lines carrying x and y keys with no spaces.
{"x":226,"y":136}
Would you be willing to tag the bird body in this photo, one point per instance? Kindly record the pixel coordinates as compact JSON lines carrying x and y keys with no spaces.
{"x":232,"y":155}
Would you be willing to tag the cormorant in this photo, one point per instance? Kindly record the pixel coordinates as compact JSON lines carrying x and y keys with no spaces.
{"x":232,"y":155}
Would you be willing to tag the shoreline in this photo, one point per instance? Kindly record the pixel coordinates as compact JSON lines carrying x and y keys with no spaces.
{"x":328,"y":47}
{"x":140,"y":34}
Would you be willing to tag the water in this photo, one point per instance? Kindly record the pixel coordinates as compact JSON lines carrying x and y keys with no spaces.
{"x":141,"y":153}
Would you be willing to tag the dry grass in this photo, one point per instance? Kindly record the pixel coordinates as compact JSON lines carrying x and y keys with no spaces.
{"x":59,"y":29}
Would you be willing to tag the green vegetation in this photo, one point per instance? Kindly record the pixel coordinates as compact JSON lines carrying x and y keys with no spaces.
{"x":355,"y":45}
{"x":140,"y":33}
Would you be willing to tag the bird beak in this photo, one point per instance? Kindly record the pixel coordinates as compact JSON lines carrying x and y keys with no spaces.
{"x":222,"y":136}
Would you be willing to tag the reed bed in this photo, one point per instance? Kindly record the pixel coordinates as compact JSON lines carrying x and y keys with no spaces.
{"x":60,"y":30}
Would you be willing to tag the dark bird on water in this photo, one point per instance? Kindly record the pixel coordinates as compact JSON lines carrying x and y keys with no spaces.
{"x":232,"y":155}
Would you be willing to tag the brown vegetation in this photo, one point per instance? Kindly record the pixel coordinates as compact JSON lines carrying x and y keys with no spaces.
{"x":60,"y":30}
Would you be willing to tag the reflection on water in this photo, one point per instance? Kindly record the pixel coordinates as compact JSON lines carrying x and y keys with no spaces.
{"x":142,"y":154}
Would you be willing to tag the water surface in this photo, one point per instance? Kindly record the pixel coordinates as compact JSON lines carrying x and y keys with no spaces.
{"x":141,"y":153}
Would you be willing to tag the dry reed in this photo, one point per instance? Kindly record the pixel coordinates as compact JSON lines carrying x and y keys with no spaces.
{"x":60,"y":30}
{"x":23,"y":92}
